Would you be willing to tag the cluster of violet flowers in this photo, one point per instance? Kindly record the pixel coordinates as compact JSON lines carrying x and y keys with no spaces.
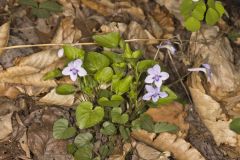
{"x":154,"y":82}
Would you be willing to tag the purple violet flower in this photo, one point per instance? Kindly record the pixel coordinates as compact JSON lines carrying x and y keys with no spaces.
{"x":74,"y":69}
{"x":169,"y":46}
{"x":206,"y":68}
{"x":154,"y":93}
{"x":156,"y":76}
{"x":60,"y":53}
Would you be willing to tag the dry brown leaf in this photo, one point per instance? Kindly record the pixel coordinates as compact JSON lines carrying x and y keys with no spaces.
{"x":173,"y":7}
{"x":53,"y":98}
{"x":181,"y":149}
{"x":39,"y":60}
{"x":217,"y":52}
{"x":24,"y":144}
{"x":171,"y":113}
{"x":40,"y":138}
{"x":68,"y":6}
{"x":4,"y":35}
{"x":18,"y":71}
{"x":107,"y":9}
{"x":114,"y":27}
{"x":217,"y":99}
{"x":8,"y":91}
{"x":66,"y":32}
{"x":98,"y":7}
{"x":164,"y":21}
{"x":149,"y":153}
{"x":30,"y":80}
{"x":6,"y":126}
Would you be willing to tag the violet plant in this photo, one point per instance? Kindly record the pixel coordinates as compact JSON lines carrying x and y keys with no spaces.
{"x":116,"y":86}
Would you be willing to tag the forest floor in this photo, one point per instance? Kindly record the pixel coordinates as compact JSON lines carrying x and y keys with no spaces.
{"x":26,"y":119}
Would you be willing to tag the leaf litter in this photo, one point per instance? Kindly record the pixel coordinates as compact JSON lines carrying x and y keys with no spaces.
{"x":23,"y":74}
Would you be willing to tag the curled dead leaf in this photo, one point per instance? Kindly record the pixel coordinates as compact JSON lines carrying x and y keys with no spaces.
{"x":181,"y":149}
{"x":172,"y":113}
{"x":4,"y":35}
{"x":53,"y":98}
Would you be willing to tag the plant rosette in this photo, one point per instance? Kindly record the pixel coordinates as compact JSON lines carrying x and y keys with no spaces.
{"x":116,"y":89}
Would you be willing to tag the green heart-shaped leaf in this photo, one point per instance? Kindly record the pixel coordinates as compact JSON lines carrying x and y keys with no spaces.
{"x":235,"y":125}
{"x":71,"y":148}
{"x":143,"y":65}
{"x":73,"y":53}
{"x":83,"y":139}
{"x":118,"y":117}
{"x":192,"y":24}
{"x":219,"y":7}
{"x":108,"y":129}
{"x":40,"y":13}
{"x":146,"y":123}
{"x":51,"y":6}
{"x":165,"y":127}
{"x":87,"y":116}
{"x":84,"y":153}
{"x":109,"y":40}
{"x":29,"y":3}
{"x":199,"y":11}
{"x":65,"y":89}
{"x":114,"y":57}
{"x":123,"y":85}
{"x":115,"y":101}
{"x":104,"y":75}
{"x":186,"y":7}
{"x":212,"y":16}
{"x":170,"y":98}
{"x":95,"y":61}
{"x":120,"y":68}
{"x":61,"y":129}
{"x":125,"y":132}
{"x":52,"y":74}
